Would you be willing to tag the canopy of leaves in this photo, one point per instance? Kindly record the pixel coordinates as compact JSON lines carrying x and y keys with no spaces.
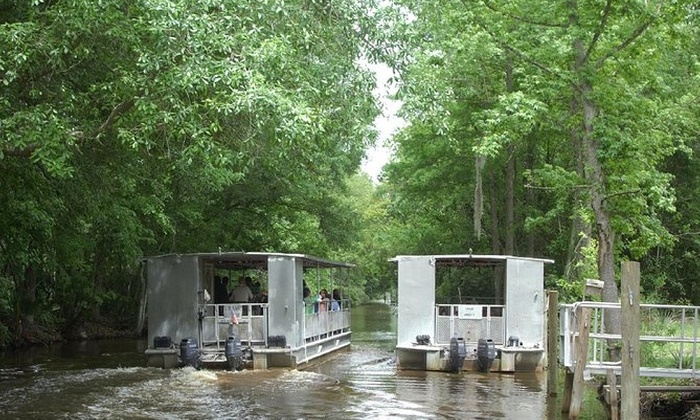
{"x":135,"y":127}
{"x":495,"y":88}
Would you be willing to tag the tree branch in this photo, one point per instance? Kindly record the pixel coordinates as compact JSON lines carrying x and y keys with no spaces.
{"x":599,"y":30}
{"x":512,"y":49}
{"x":520,"y":18}
{"x":25,"y":151}
{"x":118,"y":110}
{"x":628,"y":192}
{"x":519,"y":54}
{"x":624,"y":44}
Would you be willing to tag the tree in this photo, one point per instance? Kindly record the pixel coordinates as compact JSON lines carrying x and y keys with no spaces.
{"x":611,"y":59}
{"x":130,"y":128}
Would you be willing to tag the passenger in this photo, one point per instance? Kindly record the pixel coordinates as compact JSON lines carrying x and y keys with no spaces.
{"x":309,"y":304}
{"x":220,"y":289}
{"x":242,"y":292}
{"x":335,"y":300}
{"x":220,"y":292}
{"x":323,"y":300}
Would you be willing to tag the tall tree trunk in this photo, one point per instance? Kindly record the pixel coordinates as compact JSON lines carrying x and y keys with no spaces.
{"x":510,"y":200}
{"x":604,"y":233}
{"x":530,"y":196}
{"x":496,"y":248}
{"x":594,"y":176}
{"x":143,"y":300}
{"x":580,"y":230}
{"x":27,"y":329}
{"x":510,"y":174}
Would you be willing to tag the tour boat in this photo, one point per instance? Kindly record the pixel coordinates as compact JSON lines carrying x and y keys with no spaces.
{"x":192,"y":322}
{"x":493,"y":321}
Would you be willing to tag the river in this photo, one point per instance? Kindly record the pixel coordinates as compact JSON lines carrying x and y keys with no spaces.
{"x":107,"y":379}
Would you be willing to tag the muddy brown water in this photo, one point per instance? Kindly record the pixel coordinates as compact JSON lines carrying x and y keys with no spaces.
{"x":108,"y":379}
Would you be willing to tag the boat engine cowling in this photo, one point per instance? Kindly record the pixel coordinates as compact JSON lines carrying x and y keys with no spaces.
{"x":485,"y":354}
{"x":189,"y":352}
{"x":458,"y":352}
{"x":234,"y":353}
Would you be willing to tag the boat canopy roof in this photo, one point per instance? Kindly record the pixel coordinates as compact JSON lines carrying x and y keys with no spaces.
{"x":257,"y":260}
{"x":471,"y":260}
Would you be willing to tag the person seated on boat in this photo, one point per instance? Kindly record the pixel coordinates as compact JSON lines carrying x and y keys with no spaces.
{"x":309,"y":301}
{"x":323,"y":300}
{"x":335,"y":300}
{"x":242,"y":293}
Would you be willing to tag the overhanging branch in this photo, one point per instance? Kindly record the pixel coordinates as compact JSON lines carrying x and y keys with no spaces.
{"x":624,"y":44}
{"x":519,"y":18}
{"x":599,"y":30}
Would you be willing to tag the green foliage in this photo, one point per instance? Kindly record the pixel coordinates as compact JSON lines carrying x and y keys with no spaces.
{"x":131,"y":128}
{"x":503,"y":83}
{"x":666,"y":354}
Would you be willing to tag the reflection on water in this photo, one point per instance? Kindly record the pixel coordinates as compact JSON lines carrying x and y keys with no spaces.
{"x":109,"y":380}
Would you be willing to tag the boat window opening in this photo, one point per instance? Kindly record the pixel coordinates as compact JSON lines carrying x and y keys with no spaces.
{"x":457,"y":283}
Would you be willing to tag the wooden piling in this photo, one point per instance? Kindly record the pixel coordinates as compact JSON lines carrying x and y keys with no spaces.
{"x":552,"y":341}
{"x":568,"y":387}
{"x":629,"y":322}
{"x":612,"y":396}
{"x":581,"y":354}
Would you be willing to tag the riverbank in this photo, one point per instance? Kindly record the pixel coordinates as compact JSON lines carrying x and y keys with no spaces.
{"x":36,"y":335}
{"x":670,"y":405}
{"x":660,"y":405}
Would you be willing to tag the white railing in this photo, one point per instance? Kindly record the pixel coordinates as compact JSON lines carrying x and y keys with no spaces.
{"x":668,"y":338}
{"x":324,"y":324}
{"x":470,"y":322}
{"x":248,"y":321}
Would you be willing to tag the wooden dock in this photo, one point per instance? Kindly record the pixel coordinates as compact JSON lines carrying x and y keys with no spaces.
{"x":585,"y":347}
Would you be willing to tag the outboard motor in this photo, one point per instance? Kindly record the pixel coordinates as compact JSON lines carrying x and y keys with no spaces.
{"x":485,"y":354}
{"x":458,"y":352}
{"x":189,"y":352}
{"x":234,"y":354}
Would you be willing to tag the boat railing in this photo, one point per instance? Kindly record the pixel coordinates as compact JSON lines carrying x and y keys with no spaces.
{"x":323,"y":324}
{"x":247,"y":321}
{"x":470,"y":322}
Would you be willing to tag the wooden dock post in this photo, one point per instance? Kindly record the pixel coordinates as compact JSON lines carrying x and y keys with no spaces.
{"x":612,"y":395}
{"x":568,"y":387}
{"x":552,"y":341}
{"x":581,"y":354}
{"x":629,"y":320}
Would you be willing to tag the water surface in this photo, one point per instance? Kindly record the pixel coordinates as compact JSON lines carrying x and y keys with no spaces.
{"x":108,"y":379}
